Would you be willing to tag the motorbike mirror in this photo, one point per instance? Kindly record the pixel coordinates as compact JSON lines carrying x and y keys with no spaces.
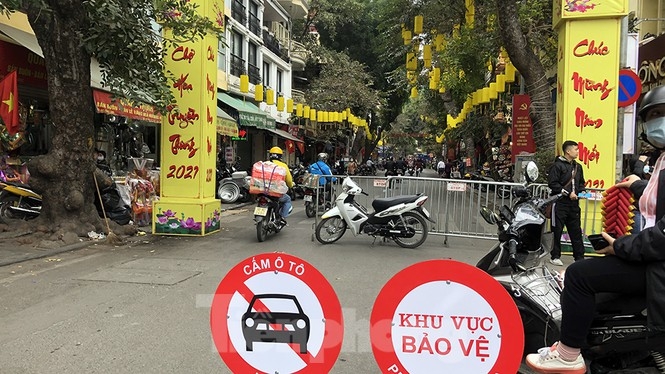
{"x":531,"y":171}
{"x":489,"y":216}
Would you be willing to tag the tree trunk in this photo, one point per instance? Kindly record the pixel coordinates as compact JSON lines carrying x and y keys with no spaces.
{"x":530,"y":67}
{"x":64,"y":175}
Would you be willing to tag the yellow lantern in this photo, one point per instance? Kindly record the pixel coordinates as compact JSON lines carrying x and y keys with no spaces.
{"x":312,"y":114}
{"x":442,"y":90}
{"x":427,"y":55}
{"x":433,"y":84}
{"x":343,"y":116}
{"x":270,"y":96}
{"x":493,"y":93}
{"x":501,"y":83}
{"x":306,"y":110}
{"x":418,"y":25}
{"x":485,"y":95}
{"x":510,"y":73}
{"x":299,"y":110}
{"x":411,"y":61}
{"x":407,"y":37}
{"x":326,"y":116}
{"x":289,"y":105}
{"x":280,"y":104}
{"x":319,"y":116}
{"x":244,"y":83}
{"x":439,"y":42}
{"x":414,"y":92}
{"x":258,"y":92}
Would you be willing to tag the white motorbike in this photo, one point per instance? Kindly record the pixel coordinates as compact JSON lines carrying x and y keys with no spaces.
{"x":399,"y":218}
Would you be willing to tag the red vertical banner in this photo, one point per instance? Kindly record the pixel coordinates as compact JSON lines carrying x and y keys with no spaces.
{"x":9,"y":102}
{"x":290,"y":147}
{"x":522,"y":134}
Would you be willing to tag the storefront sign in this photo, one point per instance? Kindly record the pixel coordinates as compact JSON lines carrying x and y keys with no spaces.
{"x":522,"y":133}
{"x":652,"y":63}
{"x":241,"y":136}
{"x":106,"y":103}
{"x":31,"y":68}
{"x":187,"y":204}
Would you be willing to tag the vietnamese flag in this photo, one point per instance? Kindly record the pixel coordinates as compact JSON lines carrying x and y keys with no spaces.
{"x":290,"y":146}
{"x":9,"y":102}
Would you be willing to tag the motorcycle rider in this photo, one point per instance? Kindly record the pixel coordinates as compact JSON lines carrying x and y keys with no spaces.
{"x":321,"y":167}
{"x":285,"y":201}
{"x":631,"y":262}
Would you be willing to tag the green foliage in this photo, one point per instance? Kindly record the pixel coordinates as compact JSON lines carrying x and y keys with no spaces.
{"x":127,"y":42}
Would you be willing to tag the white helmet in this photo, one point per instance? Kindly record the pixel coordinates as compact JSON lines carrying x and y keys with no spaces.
{"x":323,"y":156}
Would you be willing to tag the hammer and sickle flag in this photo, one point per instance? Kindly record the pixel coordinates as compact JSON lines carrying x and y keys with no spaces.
{"x":9,"y":102}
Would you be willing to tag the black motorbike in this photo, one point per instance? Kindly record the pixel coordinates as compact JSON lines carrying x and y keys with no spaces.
{"x":321,"y":197}
{"x":618,"y":341}
{"x":267,"y":217}
{"x":298,"y":173}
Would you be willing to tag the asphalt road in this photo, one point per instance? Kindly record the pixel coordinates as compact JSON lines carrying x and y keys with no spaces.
{"x":146,"y":308}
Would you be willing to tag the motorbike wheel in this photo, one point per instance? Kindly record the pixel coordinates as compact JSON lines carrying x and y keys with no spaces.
{"x":229,"y":193}
{"x":330,"y":230}
{"x":504,"y":192}
{"x":262,"y":230}
{"x":310,"y":209}
{"x":5,"y":202}
{"x":417,"y":222}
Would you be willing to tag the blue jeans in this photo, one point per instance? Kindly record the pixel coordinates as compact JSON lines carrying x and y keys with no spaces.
{"x":286,"y":205}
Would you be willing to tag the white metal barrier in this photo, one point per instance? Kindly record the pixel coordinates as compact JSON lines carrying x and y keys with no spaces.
{"x":453,"y":203}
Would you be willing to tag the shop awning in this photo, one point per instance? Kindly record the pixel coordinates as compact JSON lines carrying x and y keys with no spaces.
{"x":105,"y":103}
{"x":248,"y":113}
{"x":226,"y":125}
{"x":285,"y":135}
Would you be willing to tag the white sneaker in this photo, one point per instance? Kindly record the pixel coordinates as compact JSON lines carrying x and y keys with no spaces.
{"x":547,"y":361}
{"x":556,"y":261}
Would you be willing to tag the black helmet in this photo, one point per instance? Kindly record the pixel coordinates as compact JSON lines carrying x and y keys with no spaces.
{"x":652,"y":98}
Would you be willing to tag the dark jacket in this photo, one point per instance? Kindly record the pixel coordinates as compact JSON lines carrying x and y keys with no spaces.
{"x":559,"y":179}
{"x":649,"y":246}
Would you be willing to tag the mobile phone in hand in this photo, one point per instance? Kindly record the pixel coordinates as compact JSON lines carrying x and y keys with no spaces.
{"x":598,"y":242}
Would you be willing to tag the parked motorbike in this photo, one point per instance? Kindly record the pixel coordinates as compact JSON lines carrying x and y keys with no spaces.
{"x":267,"y":217}
{"x":618,"y":341}
{"x":365,"y":170}
{"x":324,"y":194}
{"x":401,"y":218}
{"x":233,"y":185}
{"x":502,"y":190}
{"x":298,"y":173}
{"x":18,"y":201}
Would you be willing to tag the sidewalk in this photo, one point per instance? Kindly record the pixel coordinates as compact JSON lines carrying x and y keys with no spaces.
{"x":16,"y":247}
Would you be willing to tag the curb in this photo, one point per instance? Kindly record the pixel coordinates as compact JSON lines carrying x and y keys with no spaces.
{"x":48,"y":253}
{"x":238,"y":206}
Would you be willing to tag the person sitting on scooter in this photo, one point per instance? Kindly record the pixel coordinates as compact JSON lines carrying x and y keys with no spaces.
{"x":276,"y":157}
{"x":628,"y":261}
{"x":320,"y":167}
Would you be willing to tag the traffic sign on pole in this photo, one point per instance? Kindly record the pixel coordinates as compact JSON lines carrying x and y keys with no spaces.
{"x":276,"y":313}
{"x":630,"y":87}
{"x":446,"y":315}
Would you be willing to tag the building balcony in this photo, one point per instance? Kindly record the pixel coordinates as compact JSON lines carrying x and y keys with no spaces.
{"x":299,"y":56}
{"x":275,"y":46}
{"x":254,"y":25}
{"x":237,"y":66}
{"x":298,"y":9}
{"x":298,"y":96}
{"x":239,"y":12}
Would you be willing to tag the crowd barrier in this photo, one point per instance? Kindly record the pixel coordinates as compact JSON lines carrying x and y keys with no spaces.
{"x":454,"y":204}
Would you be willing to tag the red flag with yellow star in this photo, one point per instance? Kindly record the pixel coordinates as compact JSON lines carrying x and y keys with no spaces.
{"x":9,"y":102}
{"x":290,"y":146}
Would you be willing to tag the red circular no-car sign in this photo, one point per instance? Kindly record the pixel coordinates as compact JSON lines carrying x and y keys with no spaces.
{"x":276,"y":313}
{"x":448,"y":317}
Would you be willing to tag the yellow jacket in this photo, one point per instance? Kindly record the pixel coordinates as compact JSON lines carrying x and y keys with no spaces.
{"x":288,"y":178}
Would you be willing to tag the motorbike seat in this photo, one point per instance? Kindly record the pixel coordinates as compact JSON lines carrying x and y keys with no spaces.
{"x":615,"y":303}
{"x":384,"y":203}
{"x":17,"y":184}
